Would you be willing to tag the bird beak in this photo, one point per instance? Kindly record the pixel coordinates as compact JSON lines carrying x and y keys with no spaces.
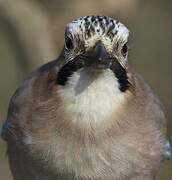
{"x":99,"y":57}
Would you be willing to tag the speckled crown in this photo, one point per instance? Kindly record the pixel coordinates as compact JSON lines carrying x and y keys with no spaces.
{"x":99,"y":26}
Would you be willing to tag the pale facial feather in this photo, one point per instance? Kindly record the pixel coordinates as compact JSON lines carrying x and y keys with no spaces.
{"x":119,"y":31}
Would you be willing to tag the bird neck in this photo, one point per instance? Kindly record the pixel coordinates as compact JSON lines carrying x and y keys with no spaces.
{"x":91,"y":96}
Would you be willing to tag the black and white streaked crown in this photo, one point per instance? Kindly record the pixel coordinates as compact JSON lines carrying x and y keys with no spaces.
{"x":98,"y":27}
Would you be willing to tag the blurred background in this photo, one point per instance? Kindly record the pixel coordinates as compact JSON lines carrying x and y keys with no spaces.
{"x":31,"y":33}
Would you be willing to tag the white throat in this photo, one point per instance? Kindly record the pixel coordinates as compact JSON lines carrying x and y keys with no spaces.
{"x":90,"y":96}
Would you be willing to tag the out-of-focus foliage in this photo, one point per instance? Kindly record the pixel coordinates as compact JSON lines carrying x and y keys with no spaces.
{"x":31,"y":33}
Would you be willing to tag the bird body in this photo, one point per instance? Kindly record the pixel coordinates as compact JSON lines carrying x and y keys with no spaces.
{"x":86,"y":115}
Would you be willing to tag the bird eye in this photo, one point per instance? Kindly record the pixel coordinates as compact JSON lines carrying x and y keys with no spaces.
{"x":124,"y":50}
{"x":68,"y":43}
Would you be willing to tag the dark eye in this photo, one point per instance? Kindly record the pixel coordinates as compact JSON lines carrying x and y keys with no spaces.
{"x":124,"y":50}
{"x":69,"y":43}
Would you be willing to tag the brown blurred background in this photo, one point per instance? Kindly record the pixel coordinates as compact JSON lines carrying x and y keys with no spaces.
{"x":31,"y":33}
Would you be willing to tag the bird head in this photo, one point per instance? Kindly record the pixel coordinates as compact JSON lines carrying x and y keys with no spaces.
{"x":94,"y":42}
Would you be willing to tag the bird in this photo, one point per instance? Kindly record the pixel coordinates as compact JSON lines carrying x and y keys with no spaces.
{"x":87,"y":115}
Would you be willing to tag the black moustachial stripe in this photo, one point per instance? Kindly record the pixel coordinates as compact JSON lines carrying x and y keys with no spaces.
{"x":72,"y":66}
{"x":121,"y":75}
{"x":68,"y":69}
